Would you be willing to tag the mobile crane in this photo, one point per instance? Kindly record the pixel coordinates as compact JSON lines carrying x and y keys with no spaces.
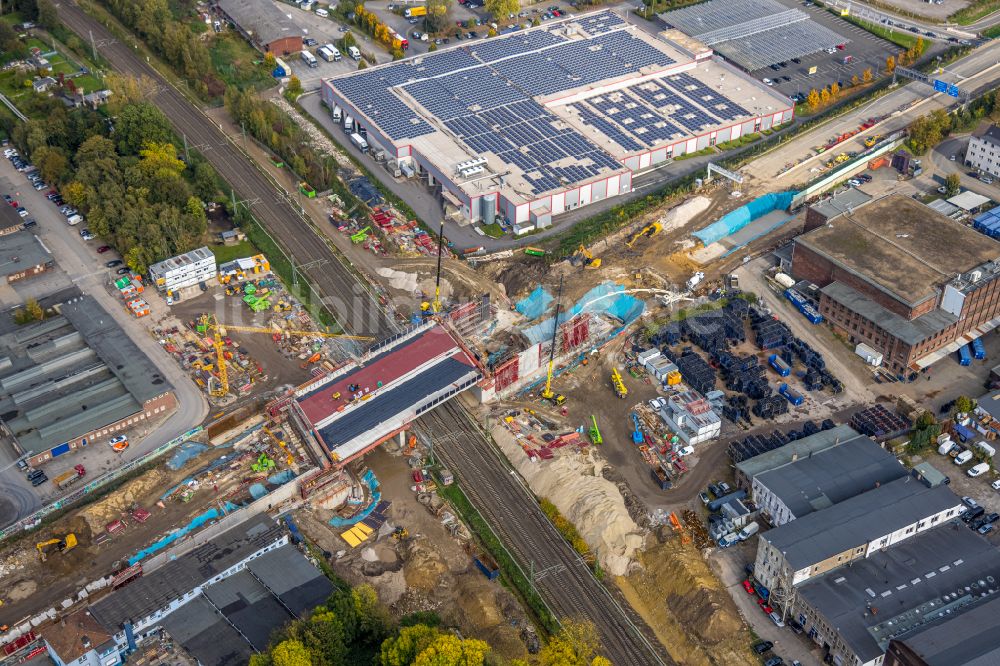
{"x":208,"y":323}
{"x":548,"y":393}
{"x":433,"y":307}
{"x":616,"y":382}
{"x":595,"y":432}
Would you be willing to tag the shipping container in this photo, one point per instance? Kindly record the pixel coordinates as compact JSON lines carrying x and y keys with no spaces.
{"x":978,"y":350}
{"x":791,"y":394}
{"x":870,"y":356}
{"x":779,"y":365}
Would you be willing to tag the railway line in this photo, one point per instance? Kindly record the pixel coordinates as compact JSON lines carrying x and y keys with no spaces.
{"x":350,"y":301}
{"x":562,"y":578}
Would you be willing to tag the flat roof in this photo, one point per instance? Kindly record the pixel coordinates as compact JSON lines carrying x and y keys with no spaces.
{"x":968,"y":638}
{"x":297,"y":584}
{"x":9,"y":217}
{"x":553,"y":106}
{"x":181,"y":260}
{"x":179,"y":576}
{"x":22,"y":250}
{"x":968,"y":200}
{"x":248,"y":606}
{"x":261,"y":19}
{"x":905,"y":586}
{"x":71,"y":374}
{"x":207,"y":635}
{"x":841,"y":202}
{"x":823,"y":479}
{"x":796,"y":450}
{"x":901,"y":246}
{"x":858,"y":520}
{"x":910,"y":331}
{"x":395,"y":378}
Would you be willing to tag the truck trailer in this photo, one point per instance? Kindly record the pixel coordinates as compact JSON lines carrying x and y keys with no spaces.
{"x":413,"y":12}
{"x":67,"y":479}
{"x":359,"y":142}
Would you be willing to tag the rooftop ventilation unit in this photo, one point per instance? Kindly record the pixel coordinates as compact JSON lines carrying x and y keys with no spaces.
{"x":462,"y":167}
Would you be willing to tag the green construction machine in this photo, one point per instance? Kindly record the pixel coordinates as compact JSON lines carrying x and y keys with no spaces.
{"x":263,"y":464}
{"x":595,"y":432}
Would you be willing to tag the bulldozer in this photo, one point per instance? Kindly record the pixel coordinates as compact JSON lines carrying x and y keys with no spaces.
{"x":584,"y":257}
{"x":647,"y":231}
{"x":63,"y":545}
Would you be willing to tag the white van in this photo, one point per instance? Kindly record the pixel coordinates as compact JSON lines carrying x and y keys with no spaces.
{"x":74,"y":220}
{"x":354,"y":52}
{"x":945,"y":447}
{"x":978,"y":470}
{"x":322,"y":13}
{"x":748,"y":531}
{"x":986,"y":448}
{"x":963,"y":457}
{"x":728,"y":540}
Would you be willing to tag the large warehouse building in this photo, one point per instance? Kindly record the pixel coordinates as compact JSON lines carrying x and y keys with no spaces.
{"x":263,"y":24}
{"x":75,"y":379}
{"x":901,"y":278}
{"x":753,"y":33}
{"x":529,"y":125}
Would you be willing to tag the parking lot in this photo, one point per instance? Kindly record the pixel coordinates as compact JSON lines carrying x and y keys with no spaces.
{"x":864,"y":50}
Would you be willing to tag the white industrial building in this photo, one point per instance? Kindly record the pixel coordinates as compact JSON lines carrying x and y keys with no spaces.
{"x":689,"y":415}
{"x":657,"y":364}
{"x":983,"y":153}
{"x":184,"y":270}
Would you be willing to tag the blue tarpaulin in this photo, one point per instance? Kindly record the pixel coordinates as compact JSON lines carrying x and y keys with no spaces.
{"x":732,"y":222}
{"x":535,"y":304}
{"x":606,"y":298}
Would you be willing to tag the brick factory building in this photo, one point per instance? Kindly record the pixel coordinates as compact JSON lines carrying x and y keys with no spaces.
{"x":264,"y":25}
{"x":901,"y":278}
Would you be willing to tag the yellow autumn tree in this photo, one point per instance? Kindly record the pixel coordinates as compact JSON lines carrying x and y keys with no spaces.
{"x":866,"y":75}
{"x":824,"y":96}
{"x":890,"y":64}
{"x":813,"y":100}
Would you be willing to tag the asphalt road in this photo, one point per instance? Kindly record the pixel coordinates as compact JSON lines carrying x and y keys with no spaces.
{"x":355,"y":308}
{"x":562,"y":578}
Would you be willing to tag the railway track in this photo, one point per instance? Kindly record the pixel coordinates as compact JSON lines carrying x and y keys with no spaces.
{"x":343,"y":292}
{"x":562,"y":578}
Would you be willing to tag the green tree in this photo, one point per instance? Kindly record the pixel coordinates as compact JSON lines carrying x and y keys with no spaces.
{"x":291,"y":653}
{"x":362,"y":64}
{"x":402,"y":649}
{"x":963,"y":404}
{"x":373,"y":620}
{"x":10,"y":43}
{"x":502,"y":9}
{"x":397,"y":54}
{"x":294,"y":86}
{"x":433,"y":47}
{"x":438,"y":16}
{"x":52,"y":163}
{"x":139,"y":124}
{"x":205,"y":181}
{"x":34,"y":310}
{"x":28,"y":9}
{"x":47,"y":17}
{"x":952,"y":184}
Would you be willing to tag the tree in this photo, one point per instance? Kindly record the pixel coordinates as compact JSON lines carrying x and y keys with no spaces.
{"x":919,"y":47}
{"x":438,"y":16}
{"x":952,"y":184}
{"x":270,"y":61}
{"x":47,"y":17}
{"x":294,"y":86}
{"x":963,"y":404}
{"x":373,"y":620}
{"x":362,"y":64}
{"x":855,"y":81}
{"x":502,"y":9}
{"x":205,"y":181}
{"x":450,"y":650}
{"x":28,"y":9}
{"x":866,"y":75}
{"x":159,"y":160}
{"x":34,"y":310}
{"x":824,"y":96}
{"x":834,"y":90}
{"x":291,"y":653}
{"x":397,"y":54}
{"x":126,"y":90}
{"x":433,"y":47}
{"x":52,"y":163}
{"x":138,"y":124}
{"x":813,"y":99}
{"x":403,"y":648}
{"x":574,"y":645}
{"x":890,"y":64}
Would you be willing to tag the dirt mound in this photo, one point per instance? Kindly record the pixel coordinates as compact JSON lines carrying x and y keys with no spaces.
{"x":112,"y":506}
{"x":698,"y":622}
{"x":423,"y":567}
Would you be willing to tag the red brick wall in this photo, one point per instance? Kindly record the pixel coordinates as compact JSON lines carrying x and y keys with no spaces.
{"x":808,"y":265}
{"x":814,"y":219}
{"x":285,"y":46}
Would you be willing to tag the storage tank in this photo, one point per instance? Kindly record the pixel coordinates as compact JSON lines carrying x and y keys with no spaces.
{"x":489,"y":208}
{"x":785,"y":280}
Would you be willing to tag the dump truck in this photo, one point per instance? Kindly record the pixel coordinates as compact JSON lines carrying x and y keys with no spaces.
{"x":67,"y":479}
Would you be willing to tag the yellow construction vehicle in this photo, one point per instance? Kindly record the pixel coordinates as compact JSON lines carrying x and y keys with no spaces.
{"x":647,"y":231}
{"x":547,"y":392}
{"x":583,"y":256}
{"x":872,"y":140}
{"x":433,"y":307}
{"x":208,"y":323}
{"x":289,"y":458}
{"x":63,"y":545}
{"x":616,"y":382}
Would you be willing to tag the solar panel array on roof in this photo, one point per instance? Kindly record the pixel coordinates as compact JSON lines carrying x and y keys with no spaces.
{"x":601,"y":23}
{"x":495,"y":49}
{"x":608,"y":128}
{"x":715,"y":102}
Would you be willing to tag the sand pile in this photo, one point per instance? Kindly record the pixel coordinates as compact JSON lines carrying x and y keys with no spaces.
{"x":676,"y":218}
{"x":574,"y":483}
{"x":412,"y":282}
{"x":100,"y":513}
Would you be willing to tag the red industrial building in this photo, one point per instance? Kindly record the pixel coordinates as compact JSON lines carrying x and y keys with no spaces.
{"x":263,"y":25}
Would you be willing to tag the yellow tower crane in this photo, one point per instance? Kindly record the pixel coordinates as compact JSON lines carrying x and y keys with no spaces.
{"x":208,"y":323}
{"x":289,"y":458}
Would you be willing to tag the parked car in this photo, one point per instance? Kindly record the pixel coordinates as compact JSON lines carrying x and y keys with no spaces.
{"x":103,"y":249}
{"x":995,"y":485}
{"x":969,"y":502}
{"x":985,"y":529}
{"x":704,"y":498}
{"x":963,"y":457}
{"x":762,"y":647}
{"x":774,"y":661}
{"x":978,"y":470}
{"x":748,"y":586}
{"x":22,"y":211}
{"x":972,"y":514}
{"x":122,"y":271}
{"x":113,"y":263}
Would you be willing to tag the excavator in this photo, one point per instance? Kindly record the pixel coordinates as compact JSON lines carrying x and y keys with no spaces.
{"x":547,"y":393}
{"x":647,"y":231}
{"x":583,"y":256}
{"x":63,"y":545}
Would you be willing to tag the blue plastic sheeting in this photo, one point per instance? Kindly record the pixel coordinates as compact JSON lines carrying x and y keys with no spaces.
{"x":257,"y":491}
{"x":606,"y":298}
{"x":368,"y":478}
{"x":780,"y":223}
{"x":535,"y":304}
{"x":185,"y":452}
{"x":732,"y":222}
{"x":281,"y":478}
{"x":198,"y":521}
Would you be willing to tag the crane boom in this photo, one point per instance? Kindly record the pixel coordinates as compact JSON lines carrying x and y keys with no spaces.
{"x":263,"y":329}
{"x":548,"y":394}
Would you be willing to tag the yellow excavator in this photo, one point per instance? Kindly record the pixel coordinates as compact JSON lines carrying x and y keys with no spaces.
{"x":583,"y":256}
{"x":647,"y":231}
{"x":63,"y":545}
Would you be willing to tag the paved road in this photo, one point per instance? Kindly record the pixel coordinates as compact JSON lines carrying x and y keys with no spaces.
{"x":562,"y":578}
{"x":977,"y":71}
{"x":354,"y":307}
